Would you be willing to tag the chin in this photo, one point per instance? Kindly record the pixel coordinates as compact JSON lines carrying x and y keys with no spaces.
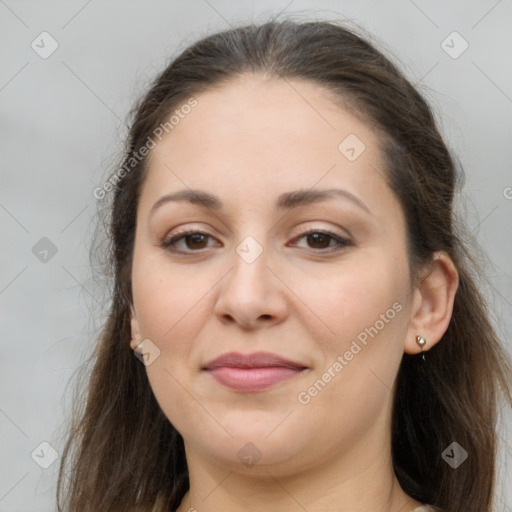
{"x":257,"y":455}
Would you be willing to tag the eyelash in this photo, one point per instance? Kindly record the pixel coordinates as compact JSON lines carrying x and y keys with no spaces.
{"x":169,"y":242}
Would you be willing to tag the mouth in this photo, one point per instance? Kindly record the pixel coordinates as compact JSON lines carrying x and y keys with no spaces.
{"x":252,"y":372}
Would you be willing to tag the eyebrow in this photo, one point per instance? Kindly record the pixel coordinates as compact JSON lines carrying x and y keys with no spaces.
{"x":285,"y":201}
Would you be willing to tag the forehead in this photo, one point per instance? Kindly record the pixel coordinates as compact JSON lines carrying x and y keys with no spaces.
{"x":254,"y":138}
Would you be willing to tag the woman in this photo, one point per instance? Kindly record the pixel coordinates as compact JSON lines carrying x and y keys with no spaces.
{"x":307,"y":327}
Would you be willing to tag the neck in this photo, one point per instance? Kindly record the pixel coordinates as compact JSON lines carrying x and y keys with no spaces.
{"x":363,"y":479}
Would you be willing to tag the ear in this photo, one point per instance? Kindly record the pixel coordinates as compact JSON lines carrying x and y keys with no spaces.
{"x":135,"y":329}
{"x":432,"y":303}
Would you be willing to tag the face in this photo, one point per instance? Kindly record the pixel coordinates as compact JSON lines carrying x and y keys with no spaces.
{"x":322,"y":283}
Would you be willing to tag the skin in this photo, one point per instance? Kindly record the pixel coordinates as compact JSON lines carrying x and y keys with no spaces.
{"x":247,"y":142}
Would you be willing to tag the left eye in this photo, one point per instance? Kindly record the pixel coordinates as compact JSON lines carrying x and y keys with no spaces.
{"x":317,"y":237}
{"x":195,"y":240}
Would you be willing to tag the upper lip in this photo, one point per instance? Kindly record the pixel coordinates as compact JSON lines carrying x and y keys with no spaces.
{"x":254,"y":360}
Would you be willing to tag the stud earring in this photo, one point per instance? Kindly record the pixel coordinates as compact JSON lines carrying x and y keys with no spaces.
{"x":421,"y":341}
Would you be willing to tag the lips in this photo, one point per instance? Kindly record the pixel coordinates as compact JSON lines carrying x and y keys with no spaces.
{"x":254,"y":360}
{"x":252,"y":372}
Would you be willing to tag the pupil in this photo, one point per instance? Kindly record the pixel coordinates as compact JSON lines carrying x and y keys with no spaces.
{"x":196,"y":238}
{"x":316,"y":236}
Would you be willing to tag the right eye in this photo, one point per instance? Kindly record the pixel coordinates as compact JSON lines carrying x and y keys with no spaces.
{"x":192,"y":238}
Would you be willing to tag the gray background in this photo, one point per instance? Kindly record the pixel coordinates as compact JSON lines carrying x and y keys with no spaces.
{"x":62,"y":122}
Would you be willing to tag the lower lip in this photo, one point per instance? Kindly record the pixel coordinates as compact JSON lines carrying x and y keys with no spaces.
{"x":252,"y":379}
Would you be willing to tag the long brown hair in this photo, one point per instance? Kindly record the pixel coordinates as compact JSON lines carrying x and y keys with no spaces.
{"x":124,"y":453}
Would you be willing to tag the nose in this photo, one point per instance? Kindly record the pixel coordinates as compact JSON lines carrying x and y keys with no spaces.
{"x":252,"y":294}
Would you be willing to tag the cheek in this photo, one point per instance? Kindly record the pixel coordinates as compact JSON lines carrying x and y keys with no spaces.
{"x":169,"y":304}
{"x":364,"y":322}
{"x":352,"y":297}
{"x":171,"y":314}
{"x":364,"y":311}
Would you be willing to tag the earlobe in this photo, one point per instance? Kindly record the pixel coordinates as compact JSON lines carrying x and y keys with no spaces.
{"x":432,"y":305}
{"x":135,"y":329}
